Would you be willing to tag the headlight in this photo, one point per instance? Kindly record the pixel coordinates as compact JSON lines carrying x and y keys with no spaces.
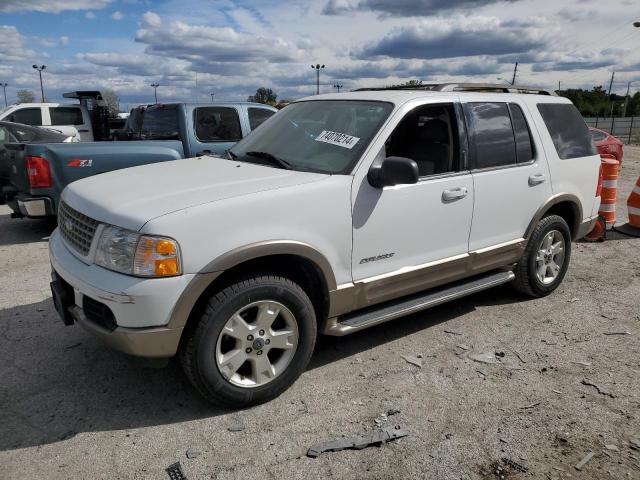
{"x":129,"y":252}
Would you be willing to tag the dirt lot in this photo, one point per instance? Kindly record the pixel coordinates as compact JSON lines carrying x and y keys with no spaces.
{"x":70,"y":408}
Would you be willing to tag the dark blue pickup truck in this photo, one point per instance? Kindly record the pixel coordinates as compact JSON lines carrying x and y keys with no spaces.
{"x":39,"y":172}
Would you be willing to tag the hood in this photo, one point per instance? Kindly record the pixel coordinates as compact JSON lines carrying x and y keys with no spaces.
{"x":131,"y":197}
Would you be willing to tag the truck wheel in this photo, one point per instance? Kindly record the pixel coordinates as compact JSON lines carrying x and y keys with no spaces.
{"x":253,"y":341}
{"x":545,"y":259}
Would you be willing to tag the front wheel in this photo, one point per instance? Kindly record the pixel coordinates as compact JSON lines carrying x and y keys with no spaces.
{"x":546,"y":258}
{"x":253,"y":341}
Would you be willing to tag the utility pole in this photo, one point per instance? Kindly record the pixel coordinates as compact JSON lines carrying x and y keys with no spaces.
{"x":4,"y":87}
{"x":317,"y":68}
{"x":626,"y":100}
{"x":609,"y":94}
{"x":338,"y":86}
{"x":559,"y":85}
{"x":515,"y":71}
{"x":155,"y":91}
{"x":40,"y":68}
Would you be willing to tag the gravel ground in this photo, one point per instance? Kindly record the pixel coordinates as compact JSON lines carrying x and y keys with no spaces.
{"x":70,"y":408}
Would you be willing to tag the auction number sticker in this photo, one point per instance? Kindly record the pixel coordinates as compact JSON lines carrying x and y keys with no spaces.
{"x":337,"y":138}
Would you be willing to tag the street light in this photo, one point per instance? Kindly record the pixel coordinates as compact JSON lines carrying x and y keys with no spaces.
{"x":338,"y":86}
{"x":155,"y":91}
{"x":4,"y":87}
{"x":626,"y":97}
{"x":40,"y":68}
{"x":212,"y":94}
{"x":317,"y":68}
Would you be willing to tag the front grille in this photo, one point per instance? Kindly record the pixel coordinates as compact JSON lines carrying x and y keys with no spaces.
{"x":99,"y":313}
{"x":77,"y":229}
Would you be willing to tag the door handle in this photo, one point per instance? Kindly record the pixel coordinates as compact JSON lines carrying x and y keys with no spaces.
{"x":536,"y":179}
{"x":454,"y":194}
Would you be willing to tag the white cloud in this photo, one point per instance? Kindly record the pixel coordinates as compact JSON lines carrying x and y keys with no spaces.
{"x":89,"y":15}
{"x":151,"y":20}
{"x":51,"y":6}
{"x":117,"y":15}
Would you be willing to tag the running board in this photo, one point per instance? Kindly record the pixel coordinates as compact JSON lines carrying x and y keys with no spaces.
{"x":370,"y":316}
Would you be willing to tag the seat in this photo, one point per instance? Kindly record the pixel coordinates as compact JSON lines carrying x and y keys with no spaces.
{"x":429,"y":147}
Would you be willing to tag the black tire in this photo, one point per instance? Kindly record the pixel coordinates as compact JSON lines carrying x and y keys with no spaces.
{"x":526,"y":280}
{"x":197,"y":353}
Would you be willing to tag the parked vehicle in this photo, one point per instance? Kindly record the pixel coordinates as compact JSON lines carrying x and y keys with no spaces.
{"x":607,"y":143}
{"x":168,"y":132}
{"x":342,"y":212}
{"x":16,"y":132}
{"x":67,"y":118}
{"x":132,"y":126}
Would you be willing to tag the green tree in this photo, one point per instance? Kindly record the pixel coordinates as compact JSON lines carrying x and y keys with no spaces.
{"x":263,"y":95}
{"x":26,"y":96}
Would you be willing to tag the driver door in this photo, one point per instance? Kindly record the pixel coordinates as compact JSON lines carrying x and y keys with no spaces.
{"x":408,"y":238}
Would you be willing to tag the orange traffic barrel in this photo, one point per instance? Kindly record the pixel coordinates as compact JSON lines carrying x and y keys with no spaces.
{"x":610,"y":167}
{"x":633,"y":205}
{"x":598,"y":233}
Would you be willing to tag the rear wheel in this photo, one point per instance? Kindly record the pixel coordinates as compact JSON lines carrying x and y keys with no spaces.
{"x":253,"y":341}
{"x":546,"y":258}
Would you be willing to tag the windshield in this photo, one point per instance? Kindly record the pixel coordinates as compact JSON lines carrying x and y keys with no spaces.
{"x":326,"y":136}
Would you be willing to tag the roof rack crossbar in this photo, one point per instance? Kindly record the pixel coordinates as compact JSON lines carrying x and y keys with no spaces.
{"x":469,"y":87}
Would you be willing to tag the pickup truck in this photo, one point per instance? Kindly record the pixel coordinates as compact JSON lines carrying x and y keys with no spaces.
{"x":39,"y":172}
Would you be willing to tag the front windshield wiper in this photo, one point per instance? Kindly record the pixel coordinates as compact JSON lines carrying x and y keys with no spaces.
{"x":231,"y":155}
{"x":271,"y":158}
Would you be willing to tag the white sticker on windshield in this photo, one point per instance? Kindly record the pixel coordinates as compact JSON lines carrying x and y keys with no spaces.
{"x":336,"y":138}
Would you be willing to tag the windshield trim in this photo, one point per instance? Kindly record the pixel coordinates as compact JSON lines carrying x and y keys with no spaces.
{"x":350,"y":168}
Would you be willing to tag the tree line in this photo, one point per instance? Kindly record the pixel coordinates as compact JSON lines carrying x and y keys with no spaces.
{"x":598,"y":103}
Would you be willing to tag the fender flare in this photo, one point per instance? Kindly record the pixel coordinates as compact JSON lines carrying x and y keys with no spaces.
{"x":573,"y":200}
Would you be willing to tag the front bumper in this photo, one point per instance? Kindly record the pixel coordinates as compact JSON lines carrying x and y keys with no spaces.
{"x":141,"y":308}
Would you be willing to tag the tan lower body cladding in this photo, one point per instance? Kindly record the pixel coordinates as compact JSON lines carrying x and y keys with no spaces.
{"x":370,"y":291}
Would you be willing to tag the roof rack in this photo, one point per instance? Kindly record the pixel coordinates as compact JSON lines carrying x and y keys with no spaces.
{"x":468,"y":87}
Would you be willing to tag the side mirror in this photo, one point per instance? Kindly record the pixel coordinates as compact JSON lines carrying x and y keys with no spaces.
{"x":393,"y":171}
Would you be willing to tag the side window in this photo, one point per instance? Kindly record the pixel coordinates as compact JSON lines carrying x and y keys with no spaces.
{"x":492,"y":140}
{"x":217,"y":124}
{"x":27,"y":116}
{"x":4,"y":135}
{"x":524,"y":144}
{"x":568,"y":131}
{"x":66,"y":116}
{"x":428,"y":135}
{"x":257,"y":116}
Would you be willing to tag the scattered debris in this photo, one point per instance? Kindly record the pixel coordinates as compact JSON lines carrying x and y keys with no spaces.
{"x":236,"y":428}
{"x":519,"y":355}
{"x":392,"y":411}
{"x":562,"y":438}
{"x":584,"y":461}
{"x":463,"y":346}
{"x":514,"y":465}
{"x":612,"y":448}
{"x":72,"y":346}
{"x":531,"y":406}
{"x":634,"y":442}
{"x":377,"y":437}
{"x":193,"y":453}
{"x":608,"y":317}
{"x":175,"y":472}
{"x":574,"y":299}
{"x":481,"y":373}
{"x":584,"y":364}
{"x":559,"y":469}
{"x":557,"y":391}
{"x":601,"y":391}
{"x":412,"y":360}
{"x":500,"y":354}
{"x":451,"y":332}
{"x":617,"y":333}
{"x":489,"y":358}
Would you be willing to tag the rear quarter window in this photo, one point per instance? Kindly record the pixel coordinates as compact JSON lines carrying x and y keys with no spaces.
{"x":257,"y":116}
{"x":66,"y":116}
{"x":569,"y":132}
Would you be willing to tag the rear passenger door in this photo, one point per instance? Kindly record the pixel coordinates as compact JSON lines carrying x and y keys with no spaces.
{"x":510,"y":175}
{"x":216,"y":129}
{"x":71,"y":121}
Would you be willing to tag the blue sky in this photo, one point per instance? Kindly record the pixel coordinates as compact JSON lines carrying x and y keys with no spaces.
{"x":232,"y":47}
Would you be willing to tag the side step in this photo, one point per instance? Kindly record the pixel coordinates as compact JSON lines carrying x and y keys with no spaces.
{"x":370,"y":316}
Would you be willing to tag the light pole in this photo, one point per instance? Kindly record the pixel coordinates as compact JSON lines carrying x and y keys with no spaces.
{"x":40,"y":68}
{"x":626,"y":98}
{"x":155,"y":91}
{"x":212,"y":94}
{"x":338,"y":86}
{"x":317,"y":67}
{"x":4,"y":87}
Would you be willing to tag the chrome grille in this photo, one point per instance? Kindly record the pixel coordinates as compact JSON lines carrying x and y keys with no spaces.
{"x":77,"y":229}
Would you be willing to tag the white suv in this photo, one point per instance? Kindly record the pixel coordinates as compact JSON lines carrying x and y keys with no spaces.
{"x":340,"y":212}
